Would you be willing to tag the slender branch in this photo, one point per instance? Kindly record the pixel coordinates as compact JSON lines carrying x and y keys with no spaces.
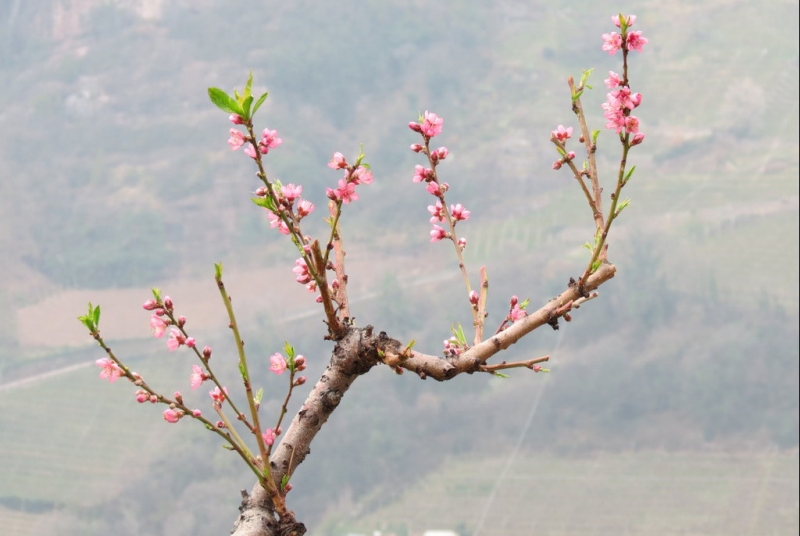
{"x":529,"y":363}
{"x":341,"y":294}
{"x":577,"y":107}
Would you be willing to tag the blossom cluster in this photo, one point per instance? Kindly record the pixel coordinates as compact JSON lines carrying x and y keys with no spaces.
{"x":429,"y":126}
{"x":356,"y":174}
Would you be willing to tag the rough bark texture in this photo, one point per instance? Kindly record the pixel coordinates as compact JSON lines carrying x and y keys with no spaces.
{"x":354,"y":355}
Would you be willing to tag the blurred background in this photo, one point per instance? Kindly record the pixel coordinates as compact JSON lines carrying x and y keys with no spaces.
{"x":672,"y":405}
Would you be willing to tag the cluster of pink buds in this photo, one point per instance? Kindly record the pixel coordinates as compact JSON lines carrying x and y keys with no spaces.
{"x":271,"y":435}
{"x":143,"y":396}
{"x":620,"y":101}
{"x":345,"y":192}
{"x":430,"y":125}
{"x":159,"y":324}
{"x":452,"y":347}
{"x":286,"y":196}
{"x":561,"y":135}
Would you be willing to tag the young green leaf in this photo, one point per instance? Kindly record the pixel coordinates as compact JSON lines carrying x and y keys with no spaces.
{"x":246,"y":106}
{"x":629,"y":174}
{"x":248,"y":86}
{"x":595,"y":133}
{"x":223,"y":101}
{"x":289,"y":349}
{"x":259,"y":395}
{"x":258,"y":104}
{"x":243,"y":372}
{"x":218,"y":270}
{"x":501,"y":375}
{"x":459,"y":334}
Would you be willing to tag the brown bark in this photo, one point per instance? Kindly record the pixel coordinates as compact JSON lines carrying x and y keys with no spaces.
{"x":355,"y":354}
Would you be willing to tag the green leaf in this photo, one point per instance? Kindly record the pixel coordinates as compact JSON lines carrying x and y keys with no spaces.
{"x":86,"y":321}
{"x":577,"y":95}
{"x":96,"y":316}
{"x":596,"y":264}
{"x":248,"y":86}
{"x":524,"y":304}
{"x":588,"y":246}
{"x":156,"y":294}
{"x":223,"y":101}
{"x":501,"y":375}
{"x":243,"y":372}
{"x":246,"y":106}
{"x":258,"y":104}
{"x":226,"y":446}
{"x":585,"y":76}
{"x":459,"y":334}
{"x":218,"y":270}
{"x":623,"y":205}
{"x":261,"y":201}
{"x":289,"y":349}
{"x":595,"y":133}
{"x":284,"y":481}
{"x":629,"y":174}
{"x":259,"y":395}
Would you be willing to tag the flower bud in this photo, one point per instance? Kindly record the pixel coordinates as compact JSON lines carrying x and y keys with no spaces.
{"x":190,"y":342}
{"x":196,"y":413}
{"x":168,"y":303}
{"x":413,"y":125}
{"x":236,"y":119}
{"x":207,"y":352}
{"x":442,"y":153}
{"x":514,"y":300}
{"x":557,"y":164}
{"x":159,"y":312}
{"x":177,"y":396}
{"x":300,"y":363}
{"x":220,"y":424}
{"x":637,"y":138}
{"x":462,"y":243}
{"x":473,"y":297}
{"x":142,"y":396}
{"x":287,"y":488}
{"x":181,"y":321}
{"x":153,"y":399}
{"x":149,"y":305}
{"x":417,"y":147}
{"x":300,"y":380}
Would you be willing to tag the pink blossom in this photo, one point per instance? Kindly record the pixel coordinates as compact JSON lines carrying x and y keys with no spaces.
{"x":176,"y":339}
{"x":637,"y":139}
{"x":304,"y":208}
{"x":346,"y":192}
{"x":622,"y":98}
{"x":422,"y":174}
{"x":562,"y":134}
{"x":361,"y":175}
{"x":459,"y":213}
{"x":276,"y":221}
{"x":517,"y":313}
{"x":631,"y":124}
{"x":269,"y":436}
{"x":337,"y":161}
{"x":629,"y":20}
{"x":291,"y":192}
{"x":312,"y":286}
{"x":431,"y":124}
{"x":269,"y":140}
{"x":172,"y":416}
{"x":437,"y":233}
{"x":158,"y":325}
{"x":108,"y":369}
{"x":301,"y":271}
{"x":434,"y":188}
{"x":237,"y":139}
{"x":197,"y":377}
{"x":277,"y":363}
{"x":218,"y":396}
{"x":612,"y":42}
{"x":437,"y":211}
{"x":613,"y":80}
{"x":635,"y":41}
{"x":236,"y":119}
{"x":250,"y":151}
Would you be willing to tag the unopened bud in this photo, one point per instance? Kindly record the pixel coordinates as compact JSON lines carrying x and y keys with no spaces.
{"x":149,"y":305}
{"x":462,"y":243}
{"x":300,"y":380}
{"x":181,"y":321}
{"x":262,"y":191}
{"x":537,"y":368}
{"x":417,"y":147}
{"x":300,"y":363}
{"x":159,"y":312}
{"x":197,"y":412}
{"x":637,"y":138}
{"x":413,"y":125}
{"x":442,"y":153}
{"x":236,"y":119}
{"x":153,"y":399}
{"x":514,"y":300}
{"x":178,"y":398}
{"x":190,"y":342}
{"x":473,"y":297}
{"x":220,"y":424}
{"x":207,"y":352}
{"x":287,"y":488}
{"x":168,"y":303}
